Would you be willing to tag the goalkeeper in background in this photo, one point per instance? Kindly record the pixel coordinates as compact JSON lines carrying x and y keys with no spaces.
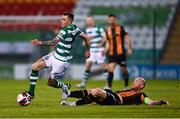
{"x":132,"y":96}
{"x":58,"y":60}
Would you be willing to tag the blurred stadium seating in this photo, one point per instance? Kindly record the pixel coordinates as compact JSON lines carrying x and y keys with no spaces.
{"x":23,"y":20}
{"x":171,"y":46}
{"x":13,"y":8}
{"x":35,"y":7}
{"x":137,"y":17}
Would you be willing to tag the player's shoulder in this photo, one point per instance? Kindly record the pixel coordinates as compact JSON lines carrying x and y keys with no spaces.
{"x":99,"y":27}
{"x":72,"y":26}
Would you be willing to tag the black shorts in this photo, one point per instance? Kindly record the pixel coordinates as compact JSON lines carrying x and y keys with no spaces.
{"x":111,"y":99}
{"x":119,"y":59}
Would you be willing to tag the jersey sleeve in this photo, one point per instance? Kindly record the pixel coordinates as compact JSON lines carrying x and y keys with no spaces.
{"x":102,"y":32}
{"x":77,"y":30}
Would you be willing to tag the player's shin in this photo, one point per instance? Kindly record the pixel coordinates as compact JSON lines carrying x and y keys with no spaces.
{"x":86,"y":76}
{"x":55,"y":83}
{"x":105,"y":73}
{"x":58,"y":84}
{"x":82,"y":102}
{"x":110,"y":79}
{"x":84,"y":80}
{"x":33,"y":79}
{"x":78,"y":94}
{"x":86,"y":100}
{"x":126,"y":78}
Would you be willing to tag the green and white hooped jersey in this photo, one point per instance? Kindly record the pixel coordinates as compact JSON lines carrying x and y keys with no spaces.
{"x":97,"y":33}
{"x":67,"y":36}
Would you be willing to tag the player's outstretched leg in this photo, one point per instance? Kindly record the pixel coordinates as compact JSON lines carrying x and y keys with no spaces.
{"x":67,"y":103}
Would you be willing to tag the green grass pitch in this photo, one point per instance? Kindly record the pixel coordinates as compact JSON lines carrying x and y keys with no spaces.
{"x":46,"y":102}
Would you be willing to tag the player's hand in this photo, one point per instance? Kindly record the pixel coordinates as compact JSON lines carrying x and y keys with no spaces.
{"x":100,"y":44}
{"x":35,"y":42}
{"x":87,"y":54}
{"x":129,"y":51}
{"x":90,"y":37}
{"x":165,"y":102}
{"x":103,"y":53}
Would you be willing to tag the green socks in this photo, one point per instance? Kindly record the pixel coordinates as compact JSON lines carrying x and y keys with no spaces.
{"x":33,"y":79}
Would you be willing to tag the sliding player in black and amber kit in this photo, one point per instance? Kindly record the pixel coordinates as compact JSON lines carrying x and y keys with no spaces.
{"x":132,"y":96}
{"x":116,"y":39}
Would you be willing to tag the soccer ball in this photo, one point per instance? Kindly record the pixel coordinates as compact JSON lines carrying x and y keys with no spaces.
{"x":23,"y":99}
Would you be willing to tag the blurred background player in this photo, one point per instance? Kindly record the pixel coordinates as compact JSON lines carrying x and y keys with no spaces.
{"x":57,"y":60}
{"x":133,"y":96}
{"x":97,"y":38}
{"x":116,"y":39}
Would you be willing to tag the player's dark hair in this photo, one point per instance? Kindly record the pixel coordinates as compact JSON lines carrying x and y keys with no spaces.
{"x":70,"y":15}
{"x":89,"y":16}
{"x":112,"y":15}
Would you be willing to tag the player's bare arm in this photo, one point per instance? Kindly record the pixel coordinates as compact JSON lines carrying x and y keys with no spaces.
{"x":103,"y":35}
{"x":106,"y":46}
{"x":43,"y":43}
{"x":128,"y":40}
{"x":149,"y":101}
{"x":87,"y":43}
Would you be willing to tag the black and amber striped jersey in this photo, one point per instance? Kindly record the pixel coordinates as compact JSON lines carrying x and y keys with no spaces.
{"x":115,"y":37}
{"x":131,"y":96}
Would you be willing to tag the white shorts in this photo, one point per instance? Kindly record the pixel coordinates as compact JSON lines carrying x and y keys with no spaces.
{"x":58,"y":67}
{"x":96,"y":57}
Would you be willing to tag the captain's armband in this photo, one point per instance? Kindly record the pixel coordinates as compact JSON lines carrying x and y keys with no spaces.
{"x":147,"y":100}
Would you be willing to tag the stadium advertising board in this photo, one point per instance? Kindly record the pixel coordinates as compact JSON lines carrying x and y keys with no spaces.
{"x":162,"y":71}
{"x":146,"y":71}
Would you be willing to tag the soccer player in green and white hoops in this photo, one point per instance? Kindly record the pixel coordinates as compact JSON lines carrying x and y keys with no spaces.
{"x":97,"y":37}
{"x":58,"y":60}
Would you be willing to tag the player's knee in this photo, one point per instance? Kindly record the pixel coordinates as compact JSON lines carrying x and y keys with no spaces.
{"x":51,"y":82}
{"x":35,"y":66}
{"x":124,"y":69}
{"x":110,"y":69}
